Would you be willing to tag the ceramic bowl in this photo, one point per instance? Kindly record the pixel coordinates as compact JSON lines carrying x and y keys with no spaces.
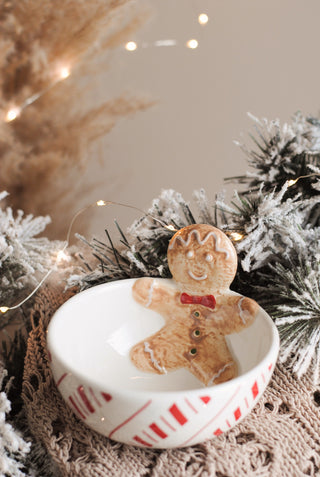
{"x":89,"y":339}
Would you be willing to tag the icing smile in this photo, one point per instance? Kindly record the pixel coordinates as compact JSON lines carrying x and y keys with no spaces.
{"x":195,"y":277}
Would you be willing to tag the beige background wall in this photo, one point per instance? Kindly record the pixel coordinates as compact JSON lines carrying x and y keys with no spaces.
{"x":253,"y":56}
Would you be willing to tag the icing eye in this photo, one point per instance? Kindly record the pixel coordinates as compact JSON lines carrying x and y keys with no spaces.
{"x":209,"y":257}
{"x":190,"y":254}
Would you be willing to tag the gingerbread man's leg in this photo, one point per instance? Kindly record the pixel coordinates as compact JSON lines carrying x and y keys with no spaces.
{"x":156,"y":353}
{"x":225,"y":373}
{"x":212,"y":362}
{"x":219,"y":373}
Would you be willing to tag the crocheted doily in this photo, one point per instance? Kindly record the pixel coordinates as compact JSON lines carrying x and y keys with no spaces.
{"x":281,"y":436}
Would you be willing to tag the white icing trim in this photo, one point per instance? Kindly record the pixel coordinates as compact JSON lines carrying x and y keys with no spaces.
{"x":194,"y":277}
{"x":219,"y":373}
{"x":154,"y":361}
{"x":241,"y":311}
{"x":186,"y":243}
{"x":150,"y":294}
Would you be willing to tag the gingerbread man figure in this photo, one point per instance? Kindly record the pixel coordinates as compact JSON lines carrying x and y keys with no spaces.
{"x":197,"y":306}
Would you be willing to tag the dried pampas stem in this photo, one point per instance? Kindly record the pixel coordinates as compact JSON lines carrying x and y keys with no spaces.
{"x":46,"y":49}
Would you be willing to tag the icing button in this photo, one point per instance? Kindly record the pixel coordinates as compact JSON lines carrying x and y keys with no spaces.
{"x":196,"y":314}
{"x":193,"y":351}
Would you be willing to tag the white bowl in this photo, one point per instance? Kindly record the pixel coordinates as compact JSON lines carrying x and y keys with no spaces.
{"x":89,"y":339}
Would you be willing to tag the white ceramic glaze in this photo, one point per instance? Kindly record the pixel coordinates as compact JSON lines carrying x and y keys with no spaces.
{"x":89,"y":340}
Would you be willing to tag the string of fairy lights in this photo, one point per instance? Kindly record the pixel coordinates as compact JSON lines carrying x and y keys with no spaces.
{"x":15,"y":111}
{"x":61,"y":74}
{"x":64,"y":71}
{"x":63,"y":256}
{"x":192,"y":43}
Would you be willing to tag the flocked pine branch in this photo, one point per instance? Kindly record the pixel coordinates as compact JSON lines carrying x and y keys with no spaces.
{"x":151,"y":238}
{"x":208,"y":213}
{"x":281,"y":153}
{"x":279,"y":253}
{"x":143,"y":250}
{"x":293,"y":298}
{"x":272,"y":228}
{"x":24,"y":257}
{"x":13,"y":449}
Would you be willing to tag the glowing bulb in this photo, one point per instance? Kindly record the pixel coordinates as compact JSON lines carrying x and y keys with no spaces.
{"x":62,"y":256}
{"x":203,"y":18}
{"x":4,"y":309}
{"x":131,"y":46}
{"x":171,"y":228}
{"x":64,"y":72}
{"x":192,"y":44}
{"x":12,"y":114}
{"x":236,"y":237}
{"x":100,"y":203}
{"x":291,"y":182}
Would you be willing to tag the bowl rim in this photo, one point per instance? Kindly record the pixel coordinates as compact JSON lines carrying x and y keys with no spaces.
{"x":88,"y":381}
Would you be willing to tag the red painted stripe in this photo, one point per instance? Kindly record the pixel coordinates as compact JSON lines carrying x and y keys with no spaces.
{"x":228,"y":423}
{"x":246,"y":401}
{"x":76,"y":407}
{"x":106,"y":396}
{"x":237,"y":413}
{"x":80,"y":404}
{"x":270,"y":367}
{"x":205,"y":399}
{"x":94,"y":397}
{"x":156,"y":429}
{"x":214,"y":417}
{"x":61,"y":379}
{"x":141,"y":441}
{"x":150,"y":437}
{"x":255,"y":390}
{"x":263,"y":377}
{"x":85,"y":400}
{"x":177,"y":414}
{"x":130,"y":418}
{"x":191,"y":405}
{"x":217,"y":432}
{"x":163,"y":419}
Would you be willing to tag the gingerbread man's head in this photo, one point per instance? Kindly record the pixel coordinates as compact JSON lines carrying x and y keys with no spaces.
{"x":202,"y":259}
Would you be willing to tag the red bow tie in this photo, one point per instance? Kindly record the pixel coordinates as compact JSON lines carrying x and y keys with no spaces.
{"x":207,"y":300}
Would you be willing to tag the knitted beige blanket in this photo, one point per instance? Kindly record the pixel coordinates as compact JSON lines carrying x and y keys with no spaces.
{"x":281,"y":437}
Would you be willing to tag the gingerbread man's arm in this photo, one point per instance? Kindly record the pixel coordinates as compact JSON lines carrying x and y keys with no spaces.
{"x":153,"y":294}
{"x":235,"y":314}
